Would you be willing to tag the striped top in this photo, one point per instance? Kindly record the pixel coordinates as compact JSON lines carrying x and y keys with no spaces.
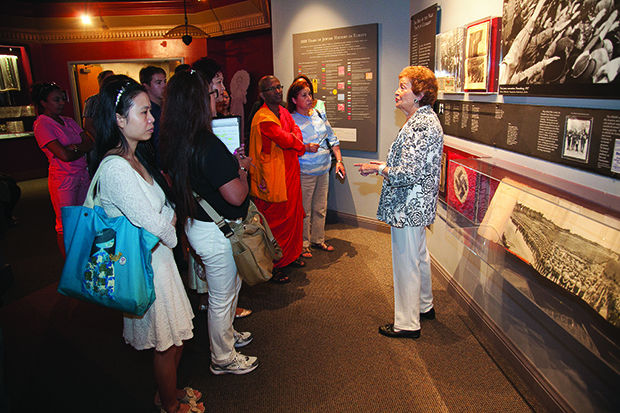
{"x":315,"y":129}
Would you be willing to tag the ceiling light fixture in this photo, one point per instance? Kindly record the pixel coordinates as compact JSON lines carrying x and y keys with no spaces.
{"x":185,"y":32}
{"x":85,"y":16}
{"x":86,"y":19}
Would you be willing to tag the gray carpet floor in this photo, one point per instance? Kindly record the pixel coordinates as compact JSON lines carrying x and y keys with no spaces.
{"x":316,"y":339}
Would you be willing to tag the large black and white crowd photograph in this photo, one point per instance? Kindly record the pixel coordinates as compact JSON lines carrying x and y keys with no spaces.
{"x":551,"y":42}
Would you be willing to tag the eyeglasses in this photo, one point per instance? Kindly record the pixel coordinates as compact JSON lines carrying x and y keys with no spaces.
{"x":216,"y":92}
{"x":269,"y":89}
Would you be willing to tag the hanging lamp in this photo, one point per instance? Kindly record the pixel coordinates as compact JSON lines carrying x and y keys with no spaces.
{"x":185,"y":32}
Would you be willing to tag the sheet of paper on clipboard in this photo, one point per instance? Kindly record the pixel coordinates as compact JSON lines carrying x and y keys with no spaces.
{"x":228,"y":129}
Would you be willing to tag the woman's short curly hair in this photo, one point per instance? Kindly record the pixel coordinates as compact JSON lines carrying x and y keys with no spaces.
{"x":423,"y":81}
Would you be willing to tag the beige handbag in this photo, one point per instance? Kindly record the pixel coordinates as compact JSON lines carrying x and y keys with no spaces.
{"x":254,"y":246}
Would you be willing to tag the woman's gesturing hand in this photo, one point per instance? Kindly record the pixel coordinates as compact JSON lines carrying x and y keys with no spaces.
{"x":371,"y":167}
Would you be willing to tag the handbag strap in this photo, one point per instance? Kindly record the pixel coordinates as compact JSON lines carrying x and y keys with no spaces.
{"x":92,"y":197}
{"x":217,"y":218}
{"x":320,"y":115}
{"x":268,"y":232}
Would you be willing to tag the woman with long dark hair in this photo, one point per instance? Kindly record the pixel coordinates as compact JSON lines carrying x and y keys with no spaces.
{"x":197,"y":161}
{"x":65,"y":145}
{"x":131,"y":185}
{"x":211,"y":73}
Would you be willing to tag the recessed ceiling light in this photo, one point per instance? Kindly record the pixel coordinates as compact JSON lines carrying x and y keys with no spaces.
{"x":86,"y":19}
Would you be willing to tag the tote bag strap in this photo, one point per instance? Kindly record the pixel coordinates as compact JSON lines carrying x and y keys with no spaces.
{"x":92,"y":197}
{"x":217,"y":218}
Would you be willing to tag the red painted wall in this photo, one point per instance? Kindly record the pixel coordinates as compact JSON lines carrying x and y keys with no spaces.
{"x":252,"y":52}
{"x":50,"y":61}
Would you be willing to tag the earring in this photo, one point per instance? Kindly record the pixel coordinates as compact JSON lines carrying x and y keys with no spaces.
{"x":416,"y":101}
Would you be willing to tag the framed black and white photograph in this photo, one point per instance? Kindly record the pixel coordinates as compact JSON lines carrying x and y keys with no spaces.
{"x":577,"y":138}
{"x":477,"y":51}
{"x":449,"y":60}
{"x":476,"y":73}
{"x":548,"y":45}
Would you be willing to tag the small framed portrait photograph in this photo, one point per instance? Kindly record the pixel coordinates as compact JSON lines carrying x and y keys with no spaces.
{"x":577,"y":137}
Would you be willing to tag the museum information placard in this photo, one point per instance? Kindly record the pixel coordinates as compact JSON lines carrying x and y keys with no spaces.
{"x":422,"y":41}
{"x":577,"y":137}
{"x":342,"y":65}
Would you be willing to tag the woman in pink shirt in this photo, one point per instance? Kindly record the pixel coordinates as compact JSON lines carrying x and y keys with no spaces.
{"x":65,"y":145}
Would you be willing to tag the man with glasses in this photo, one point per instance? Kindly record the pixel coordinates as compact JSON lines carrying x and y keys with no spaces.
{"x":276,"y":145}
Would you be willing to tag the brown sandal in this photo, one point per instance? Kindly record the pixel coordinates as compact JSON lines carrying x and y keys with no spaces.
{"x":323,"y":246}
{"x":280,"y":277}
{"x":298,"y":263}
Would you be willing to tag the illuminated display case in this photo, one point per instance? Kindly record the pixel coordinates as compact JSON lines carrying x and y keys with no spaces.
{"x":539,"y":257}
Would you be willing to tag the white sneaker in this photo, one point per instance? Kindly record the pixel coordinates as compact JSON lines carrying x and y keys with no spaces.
{"x":242,"y":339}
{"x":240,"y":365}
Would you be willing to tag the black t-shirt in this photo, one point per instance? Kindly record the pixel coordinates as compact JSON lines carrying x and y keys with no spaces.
{"x":215,"y":167}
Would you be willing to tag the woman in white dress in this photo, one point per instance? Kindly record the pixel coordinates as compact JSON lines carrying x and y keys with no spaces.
{"x":130,"y":185}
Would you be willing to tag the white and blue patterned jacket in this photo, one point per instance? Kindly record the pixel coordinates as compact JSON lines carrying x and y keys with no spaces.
{"x":409,"y":193}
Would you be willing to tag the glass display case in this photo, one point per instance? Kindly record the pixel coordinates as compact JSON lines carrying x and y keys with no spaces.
{"x":16,"y":121}
{"x":540,"y":256}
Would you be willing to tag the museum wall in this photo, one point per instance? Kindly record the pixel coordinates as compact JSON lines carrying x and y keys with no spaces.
{"x":357,"y":195}
{"x":457,"y":13}
{"x":250,"y":51}
{"x":569,"y":374}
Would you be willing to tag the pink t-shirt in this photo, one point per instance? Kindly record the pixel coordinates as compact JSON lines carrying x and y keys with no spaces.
{"x":47,"y":130}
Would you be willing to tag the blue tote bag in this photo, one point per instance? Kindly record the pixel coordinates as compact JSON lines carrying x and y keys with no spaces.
{"x":108,"y":259}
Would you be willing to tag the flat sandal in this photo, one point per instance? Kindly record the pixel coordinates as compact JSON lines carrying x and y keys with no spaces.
{"x":323,"y":246}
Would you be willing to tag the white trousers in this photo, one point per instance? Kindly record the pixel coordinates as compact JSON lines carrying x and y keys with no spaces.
{"x":314,"y":198}
{"x":412,"y":276}
{"x":223,"y":283}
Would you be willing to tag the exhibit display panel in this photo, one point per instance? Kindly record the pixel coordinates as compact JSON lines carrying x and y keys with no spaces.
{"x":342,"y":65}
{"x":540,"y":259}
